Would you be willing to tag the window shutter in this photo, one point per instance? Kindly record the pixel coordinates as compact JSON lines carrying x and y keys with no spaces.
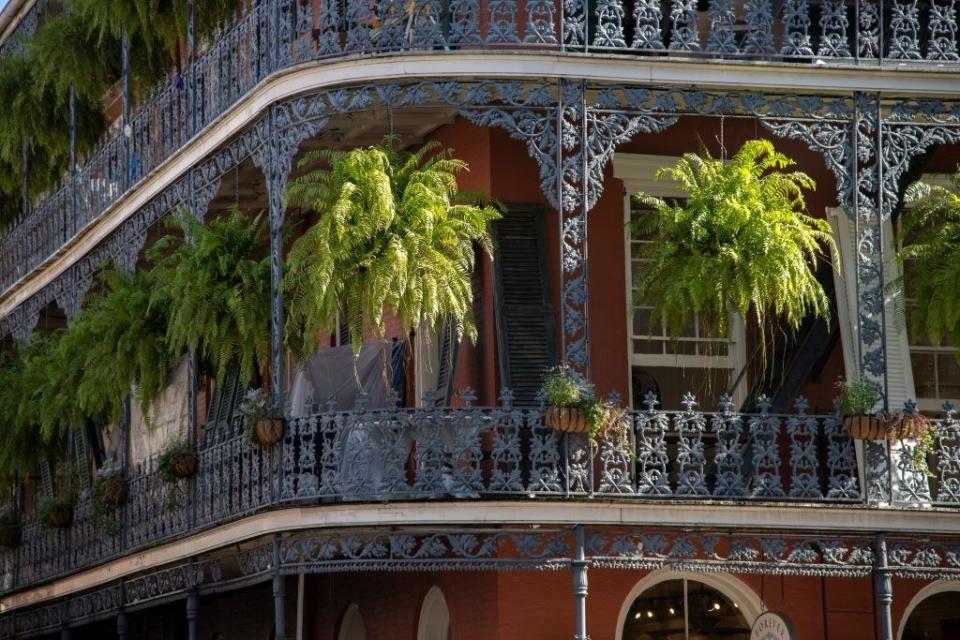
{"x":525,"y":317}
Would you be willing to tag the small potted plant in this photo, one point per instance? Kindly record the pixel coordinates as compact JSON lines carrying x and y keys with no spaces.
{"x":925,"y":445}
{"x":261,"y":424}
{"x":111,"y":488}
{"x":178,"y":460}
{"x":857,"y":400}
{"x":56,"y":512}
{"x":9,"y":527}
{"x":572,"y":406}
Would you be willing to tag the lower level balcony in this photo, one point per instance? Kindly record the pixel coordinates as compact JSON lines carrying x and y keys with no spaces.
{"x":475,"y":453}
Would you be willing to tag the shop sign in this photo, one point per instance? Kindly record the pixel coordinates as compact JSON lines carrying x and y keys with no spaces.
{"x":772,"y":626}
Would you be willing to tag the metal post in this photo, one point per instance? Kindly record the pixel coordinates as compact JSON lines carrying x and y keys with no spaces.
{"x":579,"y":566}
{"x":883,"y":587}
{"x":193,"y":615}
{"x":279,"y":594}
{"x":276,"y":183}
{"x":73,"y":165}
{"x":25,"y":185}
{"x":123,"y":625}
{"x":127,"y":129}
{"x":191,"y":49}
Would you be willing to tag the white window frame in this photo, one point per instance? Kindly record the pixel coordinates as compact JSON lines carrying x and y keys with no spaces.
{"x":638,"y":173}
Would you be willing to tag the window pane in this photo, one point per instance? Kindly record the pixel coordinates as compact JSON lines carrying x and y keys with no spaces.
{"x":948,"y":375}
{"x":657,"y":613}
{"x":923,"y":374}
{"x":713,"y":615}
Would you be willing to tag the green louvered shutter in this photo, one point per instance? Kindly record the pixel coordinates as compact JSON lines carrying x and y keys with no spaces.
{"x":525,"y":316}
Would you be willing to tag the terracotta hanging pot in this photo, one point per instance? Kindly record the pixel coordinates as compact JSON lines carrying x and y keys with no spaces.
{"x":184,"y":465}
{"x":114,"y":490}
{"x":567,"y":419}
{"x":865,"y":427}
{"x":269,"y":431}
{"x":9,"y":535}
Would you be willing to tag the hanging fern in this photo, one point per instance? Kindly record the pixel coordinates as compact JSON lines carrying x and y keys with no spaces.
{"x":121,"y":336}
{"x":24,"y":445}
{"x":930,"y":243}
{"x":217,"y":287}
{"x":394,"y":232}
{"x":741,"y":241}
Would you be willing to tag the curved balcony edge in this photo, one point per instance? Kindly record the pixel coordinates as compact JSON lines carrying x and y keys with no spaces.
{"x":443,"y":465}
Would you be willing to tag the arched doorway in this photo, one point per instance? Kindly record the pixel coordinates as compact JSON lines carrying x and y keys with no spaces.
{"x":434,"y":617}
{"x":933,"y":614}
{"x":351,"y":625}
{"x":671,"y":605}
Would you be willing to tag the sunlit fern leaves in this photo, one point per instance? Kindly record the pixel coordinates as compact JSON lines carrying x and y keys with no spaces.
{"x":740,"y":240}
{"x":394,"y":232}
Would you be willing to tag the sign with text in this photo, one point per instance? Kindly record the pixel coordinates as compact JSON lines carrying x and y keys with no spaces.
{"x":772,"y":626}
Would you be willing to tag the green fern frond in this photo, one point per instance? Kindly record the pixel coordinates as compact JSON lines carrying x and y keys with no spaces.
{"x":394,"y":233}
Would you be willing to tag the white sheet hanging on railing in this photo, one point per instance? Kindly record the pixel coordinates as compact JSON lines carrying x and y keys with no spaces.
{"x":168,"y":418}
{"x":333,"y":375}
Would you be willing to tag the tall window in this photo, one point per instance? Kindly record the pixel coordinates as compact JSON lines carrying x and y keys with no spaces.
{"x":683,"y":609}
{"x":697,"y":361}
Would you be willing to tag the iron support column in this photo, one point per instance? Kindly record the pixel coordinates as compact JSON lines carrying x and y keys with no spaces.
{"x":127,"y":127}
{"x":193,"y":615}
{"x":123,"y":625}
{"x":25,"y":184}
{"x":883,"y":587}
{"x":279,"y":594}
{"x":580,"y":584}
{"x":71,"y":228}
{"x":276,"y":185}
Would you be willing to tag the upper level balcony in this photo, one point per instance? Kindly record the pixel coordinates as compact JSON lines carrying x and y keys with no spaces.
{"x":274,"y":36}
{"x":714,"y":461}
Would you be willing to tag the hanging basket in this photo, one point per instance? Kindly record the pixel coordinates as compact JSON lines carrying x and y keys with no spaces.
{"x":58,"y":516}
{"x":184,"y":465}
{"x":567,"y":419}
{"x":9,"y":535}
{"x":865,"y":427}
{"x":906,"y":426}
{"x":113,"y":490}
{"x":269,"y":431}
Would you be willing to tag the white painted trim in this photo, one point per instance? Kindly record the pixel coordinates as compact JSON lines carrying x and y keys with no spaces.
{"x":707,"y":514}
{"x":932,"y":589}
{"x":749,"y":603}
{"x":434,"y":619}
{"x":900,"y":79}
{"x":12,"y":15}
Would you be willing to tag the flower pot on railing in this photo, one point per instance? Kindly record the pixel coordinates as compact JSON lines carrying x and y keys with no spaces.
{"x":567,"y":419}
{"x":56,"y":513}
{"x":184,"y":465}
{"x":269,"y":431}
{"x":113,"y":491}
{"x":9,"y":535}
{"x":262,"y":423}
{"x":865,"y":427}
{"x":906,"y":426}
{"x":9,"y":527}
{"x":178,"y":461}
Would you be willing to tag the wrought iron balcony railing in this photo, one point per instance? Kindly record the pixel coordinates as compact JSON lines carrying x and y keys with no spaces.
{"x":476,"y":453}
{"x":278,"y":34}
